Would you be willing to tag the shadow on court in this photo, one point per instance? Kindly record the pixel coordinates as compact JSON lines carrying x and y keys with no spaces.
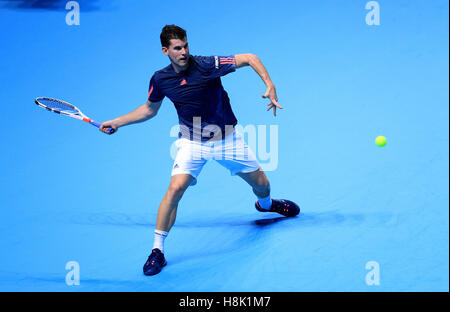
{"x":120,"y":219}
{"x":325,"y":219}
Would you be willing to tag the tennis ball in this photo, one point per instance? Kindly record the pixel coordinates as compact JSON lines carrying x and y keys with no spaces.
{"x":381,"y":141}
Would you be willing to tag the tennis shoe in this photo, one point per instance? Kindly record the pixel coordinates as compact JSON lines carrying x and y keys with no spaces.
{"x":155,"y":262}
{"x":284,"y":207}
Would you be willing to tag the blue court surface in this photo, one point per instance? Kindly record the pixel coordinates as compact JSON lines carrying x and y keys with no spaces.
{"x":372,"y":218}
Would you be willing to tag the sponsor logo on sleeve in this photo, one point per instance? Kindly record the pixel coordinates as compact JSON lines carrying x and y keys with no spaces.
{"x":216,"y":61}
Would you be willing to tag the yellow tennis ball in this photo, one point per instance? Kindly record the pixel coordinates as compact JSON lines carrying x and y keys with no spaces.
{"x":381,"y":141}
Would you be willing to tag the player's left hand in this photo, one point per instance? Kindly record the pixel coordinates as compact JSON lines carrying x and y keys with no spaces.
{"x":271,"y":93}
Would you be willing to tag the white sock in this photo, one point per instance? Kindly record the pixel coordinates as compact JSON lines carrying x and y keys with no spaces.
{"x":160,"y":236}
{"x":265,"y":203}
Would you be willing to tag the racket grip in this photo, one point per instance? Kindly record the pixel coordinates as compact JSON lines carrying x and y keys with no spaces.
{"x":97,"y":124}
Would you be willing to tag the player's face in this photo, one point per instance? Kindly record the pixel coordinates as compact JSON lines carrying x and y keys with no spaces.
{"x":178,"y":52}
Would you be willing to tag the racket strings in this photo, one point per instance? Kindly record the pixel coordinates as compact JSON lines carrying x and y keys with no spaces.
{"x":59,"y":106}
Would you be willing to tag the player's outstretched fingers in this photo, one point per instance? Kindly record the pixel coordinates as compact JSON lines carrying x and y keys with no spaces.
{"x":274,"y":101}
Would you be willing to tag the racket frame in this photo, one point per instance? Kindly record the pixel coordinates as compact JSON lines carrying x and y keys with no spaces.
{"x":79,"y":115}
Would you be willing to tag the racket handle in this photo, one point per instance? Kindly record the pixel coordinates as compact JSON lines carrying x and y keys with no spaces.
{"x":94,"y":123}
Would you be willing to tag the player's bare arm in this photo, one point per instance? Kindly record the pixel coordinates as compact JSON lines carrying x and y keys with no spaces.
{"x":142,"y":113}
{"x":249,"y":59}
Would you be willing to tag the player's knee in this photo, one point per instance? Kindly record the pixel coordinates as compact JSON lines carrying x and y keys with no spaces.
{"x":175,"y":191}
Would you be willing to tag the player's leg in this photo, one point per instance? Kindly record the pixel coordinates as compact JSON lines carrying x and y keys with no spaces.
{"x":185,"y":170}
{"x":187,"y":166}
{"x":165,"y":219}
{"x":168,"y":207}
{"x":261,"y":187}
{"x":235,"y":155}
{"x":258,"y":181}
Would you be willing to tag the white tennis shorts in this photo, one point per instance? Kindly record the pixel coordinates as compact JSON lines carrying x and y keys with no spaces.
{"x":232,"y":153}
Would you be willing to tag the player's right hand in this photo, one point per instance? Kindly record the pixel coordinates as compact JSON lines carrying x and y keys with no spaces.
{"x":109,"y":124}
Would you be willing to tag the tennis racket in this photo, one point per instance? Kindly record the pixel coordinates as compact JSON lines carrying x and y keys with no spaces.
{"x":64,"y":108}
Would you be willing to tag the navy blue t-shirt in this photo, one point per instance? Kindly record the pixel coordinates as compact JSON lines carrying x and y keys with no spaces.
{"x":199,"y":97}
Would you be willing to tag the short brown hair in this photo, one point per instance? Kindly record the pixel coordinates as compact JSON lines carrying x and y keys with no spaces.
{"x":171,"y":32}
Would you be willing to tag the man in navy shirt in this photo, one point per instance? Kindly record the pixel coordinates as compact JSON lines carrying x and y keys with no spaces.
{"x":196,"y":91}
{"x":207,"y":131}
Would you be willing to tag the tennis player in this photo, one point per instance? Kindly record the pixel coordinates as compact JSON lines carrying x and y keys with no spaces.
{"x":207,"y":131}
